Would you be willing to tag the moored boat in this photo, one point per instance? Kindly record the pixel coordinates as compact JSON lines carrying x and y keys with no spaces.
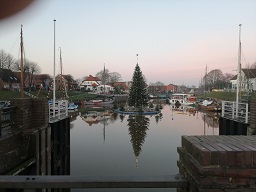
{"x":72,"y":106}
{"x":99,"y":102}
{"x":182,"y":99}
{"x":210,"y":105}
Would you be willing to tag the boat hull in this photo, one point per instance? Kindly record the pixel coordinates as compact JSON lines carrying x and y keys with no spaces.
{"x":98,"y":102}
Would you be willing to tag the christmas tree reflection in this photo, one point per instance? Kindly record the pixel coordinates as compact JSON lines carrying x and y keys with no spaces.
{"x":138,"y":125}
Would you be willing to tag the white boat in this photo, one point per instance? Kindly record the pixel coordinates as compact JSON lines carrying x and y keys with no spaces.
{"x":99,"y":102}
{"x":182,"y":99}
{"x":72,"y":106}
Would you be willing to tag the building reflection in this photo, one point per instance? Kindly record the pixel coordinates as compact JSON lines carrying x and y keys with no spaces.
{"x":183,"y":109}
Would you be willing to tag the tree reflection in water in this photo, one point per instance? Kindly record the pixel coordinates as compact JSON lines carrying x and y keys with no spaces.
{"x":138,"y":125}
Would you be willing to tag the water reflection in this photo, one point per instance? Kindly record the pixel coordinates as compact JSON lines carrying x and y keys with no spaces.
{"x":95,"y":117}
{"x":152,"y":141}
{"x":211,"y":119}
{"x":138,"y":126}
{"x":183,"y":109}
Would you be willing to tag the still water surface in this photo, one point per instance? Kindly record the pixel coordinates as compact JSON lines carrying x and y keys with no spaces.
{"x":116,"y":145}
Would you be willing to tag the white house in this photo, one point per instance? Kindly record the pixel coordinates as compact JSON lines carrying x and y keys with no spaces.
{"x":248,"y":80}
{"x":108,"y":89}
{"x":90,"y":83}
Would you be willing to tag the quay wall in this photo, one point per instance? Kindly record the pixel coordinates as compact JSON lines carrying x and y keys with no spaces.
{"x":25,"y":147}
{"x":218,"y":163}
{"x":252,"y":120}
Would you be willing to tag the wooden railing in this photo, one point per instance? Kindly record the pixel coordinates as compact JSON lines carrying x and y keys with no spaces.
{"x":58,"y":111}
{"x":229,"y":111}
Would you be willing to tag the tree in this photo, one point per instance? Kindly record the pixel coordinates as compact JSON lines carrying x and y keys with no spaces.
{"x":70,"y":80}
{"x":108,"y":77}
{"x":138,"y":96}
{"x":254,"y":65}
{"x":213,"y":79}
{"x":227,"y":78}
{"x":29,"y":69}
{"x":114,"y":77}
{"x":6,"y":60}
{"x":214,"y":76}
{"x":119,"y":89}
{"x":103,"y":75}
{"x":46,"y":79}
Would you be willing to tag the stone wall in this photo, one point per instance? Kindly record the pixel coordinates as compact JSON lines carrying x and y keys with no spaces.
{"x":218,"y":163}
{"x":26,"y":146}
{"x":252,"y":120}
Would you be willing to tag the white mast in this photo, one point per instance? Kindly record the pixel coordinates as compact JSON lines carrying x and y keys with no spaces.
{"x":54,"y":86}
{"x":238,"y":81}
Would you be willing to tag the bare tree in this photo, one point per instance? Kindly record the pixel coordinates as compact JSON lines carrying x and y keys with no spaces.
{"x":70,"y":80}
{"x":6,"y":60}
{"x":108,"y":77}
{"x":29,"y":69}
{"x":114,"y":77}
{"x":103,"y":75}
{"x":253,"y":65}
{"x":3,"y":56}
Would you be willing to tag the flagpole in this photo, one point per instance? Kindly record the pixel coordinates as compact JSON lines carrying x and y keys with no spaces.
{"x":54,"y":83}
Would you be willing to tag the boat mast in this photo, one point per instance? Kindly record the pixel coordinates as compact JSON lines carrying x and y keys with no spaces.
{"x":104,"y":81}
{"x":61,"y":76}
{"x":21,"y":65}
{"x":238,"y":81}
{"x":205,"y":80}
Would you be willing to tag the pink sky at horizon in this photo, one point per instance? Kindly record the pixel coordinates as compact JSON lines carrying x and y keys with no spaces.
{"x":175,"y":39}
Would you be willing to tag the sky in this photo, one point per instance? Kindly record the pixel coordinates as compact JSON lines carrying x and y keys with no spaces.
{"x":175,"y":39}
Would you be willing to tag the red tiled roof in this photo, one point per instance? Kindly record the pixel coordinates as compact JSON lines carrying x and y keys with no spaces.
{"x":123,"y":84}
{"x":91,"y":78}
{"x":94,"y":85}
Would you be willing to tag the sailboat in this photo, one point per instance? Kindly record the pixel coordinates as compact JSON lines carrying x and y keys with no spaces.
{"x":71,"y":105}
{"x":238,"y":110}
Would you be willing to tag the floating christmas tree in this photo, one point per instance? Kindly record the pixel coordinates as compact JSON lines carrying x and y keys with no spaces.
{"x":138,"y":92}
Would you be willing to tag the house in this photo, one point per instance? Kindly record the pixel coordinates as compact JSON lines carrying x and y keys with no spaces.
{"x":123,"y":86}
{"x":104,"y":89}
{"x":90,"y":83}
{"x":39,"y":81}
{"x":162,"y":89}
{"x":8,"y":80}
{"x":171,"y":88}
{"x":72,"y":84}
{"x":248,"y":80}
{"x":157,"y":89}
{"x":65,"y":83}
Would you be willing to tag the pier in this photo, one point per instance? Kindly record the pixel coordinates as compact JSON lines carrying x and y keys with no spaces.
{"x":238,"y":120}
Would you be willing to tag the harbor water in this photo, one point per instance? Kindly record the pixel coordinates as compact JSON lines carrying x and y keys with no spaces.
{"x":110,"y":144}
